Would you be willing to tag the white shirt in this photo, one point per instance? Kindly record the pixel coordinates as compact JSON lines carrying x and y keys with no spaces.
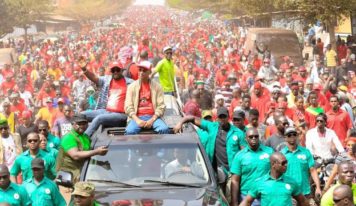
{"x":9,"y":147}
{"x":26,"y":96}
{"x":321,"y":146}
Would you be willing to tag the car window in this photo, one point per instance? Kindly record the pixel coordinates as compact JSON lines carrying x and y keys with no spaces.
{"x":137,"y":163}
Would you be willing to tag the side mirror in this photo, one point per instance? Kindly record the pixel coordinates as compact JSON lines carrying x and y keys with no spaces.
{"x":221,"y":175}
{"x":64,"y":179}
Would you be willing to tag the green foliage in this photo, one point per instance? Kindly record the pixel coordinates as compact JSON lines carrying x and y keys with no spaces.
{"x":86,"y":10}
{"x":26,"y":12}
{"x":5,"y":20}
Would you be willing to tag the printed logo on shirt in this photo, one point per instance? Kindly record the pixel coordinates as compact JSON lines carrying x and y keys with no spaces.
{"x":234,"y":138}
{"x":16,"y":196}
{"x":301,"y":157}
{"x":264,"y":156}
{"x":288,"y":187}
{"x":47,"y":191}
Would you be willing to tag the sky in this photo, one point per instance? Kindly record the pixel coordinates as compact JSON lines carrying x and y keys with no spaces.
{"x":152,"y":2}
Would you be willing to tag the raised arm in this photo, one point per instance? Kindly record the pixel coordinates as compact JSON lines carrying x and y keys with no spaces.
{"x":90,"y":75}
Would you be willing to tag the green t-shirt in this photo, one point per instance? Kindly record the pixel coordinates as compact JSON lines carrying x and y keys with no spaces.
{"x":299,"y":163}
{"x":15,"y":195}
{"x":165,"y":68}
{"x":327,"y":199}
{"x":23,"y":164}
{"x":275,"y":192}
{"x":251,"y":165}
{"x":45,"y":193}
{"x":69,"y":141}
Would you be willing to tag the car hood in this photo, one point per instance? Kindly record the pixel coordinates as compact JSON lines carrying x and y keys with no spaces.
{"x":153,"y":197}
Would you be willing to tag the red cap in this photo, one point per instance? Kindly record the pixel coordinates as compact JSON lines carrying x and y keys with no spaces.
{"x":116,"y":64}
{"x":145,"y":64}
{"x":302,"y":69}
{"x":60,"y":100}
{"x":26,"y":114}
{"x":317,"y":87}
{"x":257,"y":85}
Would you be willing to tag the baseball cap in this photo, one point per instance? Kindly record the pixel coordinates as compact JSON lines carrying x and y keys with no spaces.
{"x":222,"y":111}
{"x":26,"y":114}
{"x":115,"y":64}
{"x":290,"y":130}
{"x":302,"y":69}
{"x":219,"y":96}
{"x":239,"y":114}
{"x":85,"y":189}
{"x":60,"y":100}
{"x":145,"y":64}
{"x":3,"y":122}
{"x":79,"y":118}
{"x":48,"y":99}
{"x":257,"y":85}
{"x":167,"y":48}
{"x":207,"y":113}
{"x":37,"y":163}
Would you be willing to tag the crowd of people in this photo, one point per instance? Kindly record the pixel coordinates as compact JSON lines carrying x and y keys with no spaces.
{"x":260,"y":123}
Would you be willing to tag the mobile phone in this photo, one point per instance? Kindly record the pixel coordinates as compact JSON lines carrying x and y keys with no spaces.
{"x":107,"y":146}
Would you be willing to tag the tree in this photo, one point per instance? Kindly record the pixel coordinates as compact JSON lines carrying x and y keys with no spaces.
{"x":5,"y":20}
{"x":25,"y":12}
{"x":87,"y":10}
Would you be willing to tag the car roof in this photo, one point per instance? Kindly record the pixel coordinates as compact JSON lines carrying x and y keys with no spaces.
{"x":183,"y":138}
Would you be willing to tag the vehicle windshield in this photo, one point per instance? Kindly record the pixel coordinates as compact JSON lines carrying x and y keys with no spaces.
{"x":149,"y":164}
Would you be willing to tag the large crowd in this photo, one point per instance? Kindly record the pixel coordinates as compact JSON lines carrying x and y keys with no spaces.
{"x":262,"y":124}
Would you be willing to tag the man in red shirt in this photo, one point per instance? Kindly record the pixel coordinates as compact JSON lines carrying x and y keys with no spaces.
{"x":192,"y":106}
{"x":110,"y":108}
{"x":144,"y":103}
{"x":259,"y":100}
{"x":338,"y":120}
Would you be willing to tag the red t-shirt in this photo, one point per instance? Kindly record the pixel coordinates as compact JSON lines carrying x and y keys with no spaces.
{"x":117,"y":94}
{"x":145,"y":106}
{"x":340,"y":122}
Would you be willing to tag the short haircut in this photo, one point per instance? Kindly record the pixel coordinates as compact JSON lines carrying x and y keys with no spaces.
{"x":254,"y":112}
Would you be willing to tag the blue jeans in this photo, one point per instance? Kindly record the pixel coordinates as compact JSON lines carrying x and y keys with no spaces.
{"x":256,"y":202}
{"x":105,"y":118}
{"x":158,"y":126}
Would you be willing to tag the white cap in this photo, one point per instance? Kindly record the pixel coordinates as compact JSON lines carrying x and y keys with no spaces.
{"x":166,"y":48}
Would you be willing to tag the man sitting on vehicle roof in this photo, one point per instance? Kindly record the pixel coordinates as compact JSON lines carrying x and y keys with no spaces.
{"x":144,"y":103}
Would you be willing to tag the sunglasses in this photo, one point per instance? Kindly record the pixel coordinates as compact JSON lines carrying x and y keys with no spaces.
{"x":237,"y":119}
{"x":285,"y":162}
{"x":293,"y":134}
{"x":32,"y":140}
{"x":42,"y":130}
{"x":337,"y":200}
{"x":254,"y":136}
{"x":169,"y":53}
{"x":319,"y":120}
{"x":4,"y":128}
{"x":4,"y":177}
{"x":222,"y":117}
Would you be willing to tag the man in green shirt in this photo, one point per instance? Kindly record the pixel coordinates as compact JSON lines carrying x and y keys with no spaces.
{"x":42,"y":190}
{"x":300,"y":163}
{"x":346,"y":172}
{"x":221,"y":139}
{"x":342,"y":196}
{"x":274,"y":188}
{"x":75,"y":148}
{"x":11,"y":193}
{"x":84,"y":194}
{"x":52,"y":141}
{"x":23,"y":162}
{"x":165,"y":68}
{"x":249,"y":164}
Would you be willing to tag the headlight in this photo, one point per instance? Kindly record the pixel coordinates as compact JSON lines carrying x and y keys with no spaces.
{"x":329,"y":169}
